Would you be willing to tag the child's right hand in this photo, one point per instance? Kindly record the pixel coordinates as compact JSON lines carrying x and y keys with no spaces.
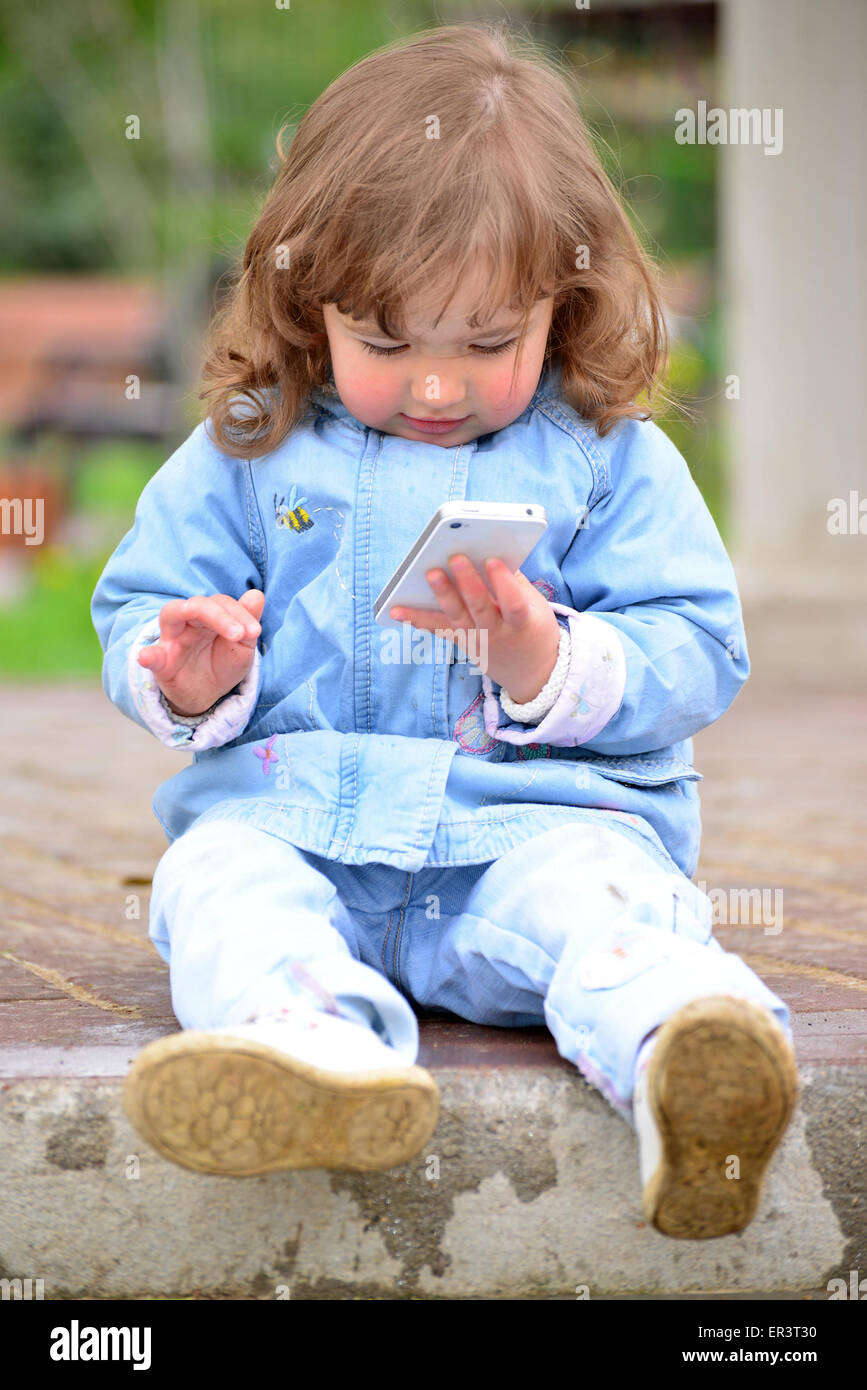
{"x":206,"y":647}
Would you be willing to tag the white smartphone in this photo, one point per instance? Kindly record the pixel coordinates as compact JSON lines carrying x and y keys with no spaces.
{"x":480,"y":530}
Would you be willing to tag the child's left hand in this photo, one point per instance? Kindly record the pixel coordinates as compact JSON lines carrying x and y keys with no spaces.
{"x":518,"y":635}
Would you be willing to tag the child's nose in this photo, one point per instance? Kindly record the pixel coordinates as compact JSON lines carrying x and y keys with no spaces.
{"x":442,"y":394}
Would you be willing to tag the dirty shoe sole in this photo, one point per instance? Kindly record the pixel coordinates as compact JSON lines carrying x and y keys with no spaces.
{"x":721,"y":1084}
{"x":220,"y":1104}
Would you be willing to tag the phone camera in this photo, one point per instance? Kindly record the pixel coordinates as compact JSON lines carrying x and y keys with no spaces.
{"x":454,"y":524}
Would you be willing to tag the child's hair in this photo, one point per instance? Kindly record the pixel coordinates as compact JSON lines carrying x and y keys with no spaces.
{"x":461,"y":144}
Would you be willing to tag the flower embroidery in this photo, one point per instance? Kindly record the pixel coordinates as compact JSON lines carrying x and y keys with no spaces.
{"x":267,"y":754}
{"x":533,"y":750}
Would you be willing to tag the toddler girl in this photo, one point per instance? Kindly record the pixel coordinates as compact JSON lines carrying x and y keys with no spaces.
{"x":441,"y":299}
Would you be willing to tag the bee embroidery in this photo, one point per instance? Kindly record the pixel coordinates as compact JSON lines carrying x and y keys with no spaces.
{"x":293,"y":516}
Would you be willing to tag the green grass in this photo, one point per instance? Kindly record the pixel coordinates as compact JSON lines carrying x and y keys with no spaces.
{"x":113,"y":475}
{"x":49,"y":632}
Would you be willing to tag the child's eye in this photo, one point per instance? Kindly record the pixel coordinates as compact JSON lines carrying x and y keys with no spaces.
{"x":389,"y":352}
{"x":500,"y":347}
{"x":380,"y":352}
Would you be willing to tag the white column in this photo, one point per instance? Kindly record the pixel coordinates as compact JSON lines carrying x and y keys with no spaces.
{"x":794,"y":240}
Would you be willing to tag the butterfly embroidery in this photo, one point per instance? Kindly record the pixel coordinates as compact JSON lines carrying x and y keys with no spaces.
{"x":579,"y":705}
{"x":470,"y":732}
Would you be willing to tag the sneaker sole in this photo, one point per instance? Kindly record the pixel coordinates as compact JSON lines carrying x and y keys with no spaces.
{"x":722,"y":1083}
{"x":236,"y":1107}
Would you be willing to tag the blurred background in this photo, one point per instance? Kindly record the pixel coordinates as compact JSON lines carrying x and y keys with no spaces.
{"x":137,"y":141}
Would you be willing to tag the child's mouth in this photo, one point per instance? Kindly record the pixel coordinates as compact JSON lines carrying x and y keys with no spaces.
{"x":434,"y":426}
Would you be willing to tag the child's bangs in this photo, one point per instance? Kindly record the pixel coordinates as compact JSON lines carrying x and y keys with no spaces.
{"x":504,"y":251}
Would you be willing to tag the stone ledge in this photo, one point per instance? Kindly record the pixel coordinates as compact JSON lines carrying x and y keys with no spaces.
{"x":529,"y":1187}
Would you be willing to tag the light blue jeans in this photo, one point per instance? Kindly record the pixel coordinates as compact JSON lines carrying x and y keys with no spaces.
{"x":578,"y":929}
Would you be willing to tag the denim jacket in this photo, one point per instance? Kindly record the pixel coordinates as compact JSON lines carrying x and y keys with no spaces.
{"x":358,"y":741}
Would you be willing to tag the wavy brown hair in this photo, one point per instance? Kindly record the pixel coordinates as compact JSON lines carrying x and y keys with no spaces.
{"x":461,"y":142}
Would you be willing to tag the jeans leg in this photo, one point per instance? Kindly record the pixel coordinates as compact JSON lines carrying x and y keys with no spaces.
{"x":582,"y":930}
{"x":249,"y":922}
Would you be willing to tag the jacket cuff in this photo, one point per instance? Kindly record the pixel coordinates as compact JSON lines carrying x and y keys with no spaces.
{"x":223,"y":722}
{"x":591,"y":696}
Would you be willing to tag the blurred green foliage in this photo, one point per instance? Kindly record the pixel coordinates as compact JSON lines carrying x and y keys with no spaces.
{"x":49,"y":632}
{"x":71,"y":75}
{"x":670,"y":190}
{"x":112,"y":475}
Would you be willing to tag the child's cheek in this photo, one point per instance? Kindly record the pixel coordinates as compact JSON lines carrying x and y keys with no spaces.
{"x":368,"y":392}
{"x":504,"y":403}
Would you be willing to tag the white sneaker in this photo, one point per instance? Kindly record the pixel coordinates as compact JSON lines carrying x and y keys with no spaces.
{"x":320,"y":1039}
{"x":295,"y":1089}
{"x":710,"y":1107}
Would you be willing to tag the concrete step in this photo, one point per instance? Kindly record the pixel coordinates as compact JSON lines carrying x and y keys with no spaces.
{"x":529,"y":1187}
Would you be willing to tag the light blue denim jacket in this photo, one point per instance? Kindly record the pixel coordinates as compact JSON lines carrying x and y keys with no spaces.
{"x":361,"y":742}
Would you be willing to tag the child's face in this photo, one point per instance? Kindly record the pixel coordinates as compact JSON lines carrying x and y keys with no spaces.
{"x":438,"y":373}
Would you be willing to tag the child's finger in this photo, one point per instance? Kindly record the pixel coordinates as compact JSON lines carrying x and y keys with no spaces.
{"x":172,"y":617}
{"x":254,"y":602}
{"x":449,"y":598}
{"x":200,"y":611}
{"x":152,"y":657}
{"x":164,"y":658}
{"x":428,"y":619}
{"x":511,"y":595}
{"x":474,"y":593}
{"x":240,"y":613}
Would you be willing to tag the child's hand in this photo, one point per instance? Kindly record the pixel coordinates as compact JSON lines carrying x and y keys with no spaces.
{"x":205,"y":648}
{"x":519,"y":650}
